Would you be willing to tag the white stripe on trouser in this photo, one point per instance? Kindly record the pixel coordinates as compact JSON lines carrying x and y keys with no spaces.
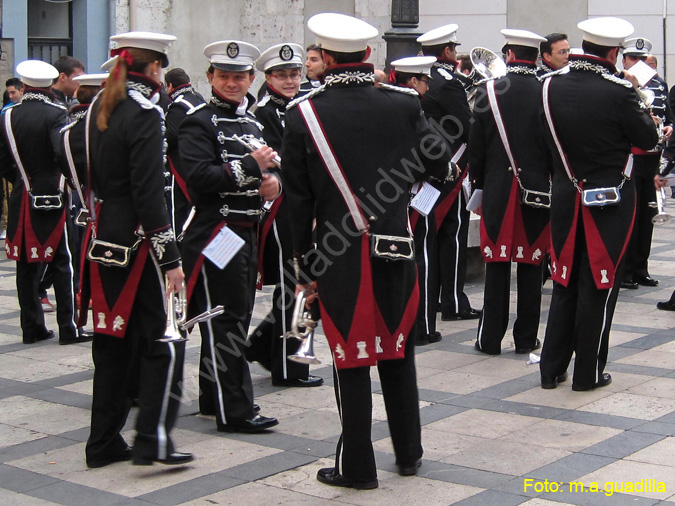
{"x":459,"y":228}
{"x":72,"y":278}
{"x":282,"y":284}
{"x":173,"y":202}
{"x":338,"y":460}
{"x":212,"y":348}
{"x":602,"y":331}
{"x":426,"y":275}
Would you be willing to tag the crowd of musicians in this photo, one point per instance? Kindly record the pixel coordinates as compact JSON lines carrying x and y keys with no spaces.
{"x":354,"y":192}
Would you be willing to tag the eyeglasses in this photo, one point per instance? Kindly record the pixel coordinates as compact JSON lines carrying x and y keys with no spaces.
{"x":562,"y":52}
{"x":295,"y":76}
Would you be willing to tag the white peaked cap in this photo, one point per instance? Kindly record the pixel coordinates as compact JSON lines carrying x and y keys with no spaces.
{"x":158,"y":42}
{"x":414,"y":65}
{"x":609,"y":32}
{"x":637,"y":46}
{"x":442,"y":35}
{"x":341,"y":33}
{"x":232,"y":55}
{"x":37,"y":73}
{"x":91,"y":79}
{"x":522,"y":38}
{"x":281,"y":56}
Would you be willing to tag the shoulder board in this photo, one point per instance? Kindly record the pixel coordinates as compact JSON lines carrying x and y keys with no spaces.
{"x":58,"y":106}
{"x":196,"y":108}
{"x":69,"y":126}
{"x":263,"y":101}
{"x":138,"y":97}
{"x":617,"y":80}
{"x":400,"y":89}
{"x":558,"y":72}
{"x":312,"y":93}
{"x":447,"y":75}
{"x":184,"y":102}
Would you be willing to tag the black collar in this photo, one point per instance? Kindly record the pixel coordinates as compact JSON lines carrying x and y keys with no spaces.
{"x":181,"y":90}
{"x":277,"y":97}
{"x":39,"y":94}
{"x":349,"y":74}
{"x":142,"y":84}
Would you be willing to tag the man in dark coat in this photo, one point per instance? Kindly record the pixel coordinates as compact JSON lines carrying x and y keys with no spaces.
{"x":593,"y":118}
{"x":510,"y":166}
{"x":354,"y":176}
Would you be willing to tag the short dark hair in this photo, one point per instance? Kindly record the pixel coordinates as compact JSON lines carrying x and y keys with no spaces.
{"x":14,"y":81}
{"x":437,"y":50}
{"x":67,"y":65}
{"x":465,"y":62}
{"x":596,"y":49}
{"x":551,"y":38}
{"x":176,"y":77}
{"x":85,"y":94}
{"x":522,"y":52}
{"x":211,"y":70}
{"x":313,"y":47}
{"x":402,"y":78}
{"x":341,"y":58}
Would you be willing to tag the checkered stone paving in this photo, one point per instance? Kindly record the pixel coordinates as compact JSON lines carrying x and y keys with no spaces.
{"x":488,"y":428}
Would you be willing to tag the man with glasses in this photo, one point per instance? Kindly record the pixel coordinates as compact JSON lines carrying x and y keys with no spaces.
{"x":282,"y":65}
{"x":555,"y":52}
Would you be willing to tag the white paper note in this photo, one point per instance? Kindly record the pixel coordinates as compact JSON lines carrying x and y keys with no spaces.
{"x":425,"y":199}
{"x":223,"y":247}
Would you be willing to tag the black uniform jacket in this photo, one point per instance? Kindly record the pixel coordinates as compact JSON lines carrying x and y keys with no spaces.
{"x":597,"y":118}
{"x":76,"y":150}
{"x":222,"y":178}
{"x":511,"y":230}
{"x":368,"y":305}
{"x":36,"y":123}
{"x":127,"y":175}
{"x":271,"y":113}
{"x":447,"y":109}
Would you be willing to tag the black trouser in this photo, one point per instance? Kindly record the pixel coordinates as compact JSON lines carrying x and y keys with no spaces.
{"x":137,"y":366}
{"x":27,"y":280}
{"x":495,"y":317}
{"x":426,"y":258}
{"x":645,"y":168}
{"x":579,"y":322}
{"x":354,"y":456}
{"x":452,"y":238}
{"x":225,"y":387}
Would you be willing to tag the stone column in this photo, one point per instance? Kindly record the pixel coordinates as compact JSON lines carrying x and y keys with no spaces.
{"x":401,"y":38}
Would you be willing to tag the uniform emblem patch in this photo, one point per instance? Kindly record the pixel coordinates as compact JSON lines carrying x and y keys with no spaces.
{"x":286,"y":52}
{"x":639,"y":44}
{"x":233,"y":50}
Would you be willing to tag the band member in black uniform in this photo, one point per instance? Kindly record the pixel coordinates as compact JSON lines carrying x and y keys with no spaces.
{"x":227,"y":183}
{"x":347,"y":168}
{"x":415,"y":72}
{"x":593,"y":200}
{"x":315,"y":67}
{"x":645,"y":167}
{"x":183,"y":100}
{"x":510,"y":166}
{"x":446,"y":107}
{"x":134,"y":264}
{"x":37,"y":226}
{"x":282,"y":65}
{"x":555,"y":52}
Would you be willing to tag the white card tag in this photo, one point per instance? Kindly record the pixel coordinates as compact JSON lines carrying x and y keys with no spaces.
{"x":223,"y":247}
{"x":425,"y":199}
{"x":466,"y":186}
{"x":642,"y":72}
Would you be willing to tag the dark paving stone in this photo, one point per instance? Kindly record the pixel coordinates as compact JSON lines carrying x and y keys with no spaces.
{"x":435,"y":395}
{"x":132,"y":502}
{"x":517,"y":487}
{"x":79,"y":435}
{"x":632,"y":328}
{"x":492,"y":498}
{"x":598,"y":499}
{"x":17,"y":346}
{"x":460,"y":475}
{"x":646,"y":342}
{"x":10,"y":315}
{"x":197,"y":424}
{"x":435,"y":412}
{"x":316,"y":448}
{"x":267,"y":466}
{"x":22,"y":481}
{"x":469,"y":401}
{"x":12,"y":330}
{"x":67,"y":379}
{"x":660,"y":428}
{"x":615,"y":422}
{"x":23,"y":388}
{"x":29,"y":448}
{"x":507,"y":388}
{"x":380,"y":430}
{"x":638,"y":369}
{"x":64,"y":397}
{"x":619,"y":352}
{"x":192,"y":489}
{"x":72,"y":494}
{"x":570,"y":468}
{"x":522,"y":408}
{"x":623,"y":444}
{"x":669,"y":418}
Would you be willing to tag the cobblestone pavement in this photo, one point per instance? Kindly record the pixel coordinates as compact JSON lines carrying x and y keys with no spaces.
{"x":491,"y":435}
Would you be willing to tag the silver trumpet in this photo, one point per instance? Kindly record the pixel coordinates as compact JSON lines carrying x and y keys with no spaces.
{"x":176,"y":314}
{"x":253,"y":144}
{"x":302,"y":328}
{"x":662,"y":218}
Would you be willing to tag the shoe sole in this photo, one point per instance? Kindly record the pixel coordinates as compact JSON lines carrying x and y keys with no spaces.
{"x":356,"y":485}
{"x":230,"y":428}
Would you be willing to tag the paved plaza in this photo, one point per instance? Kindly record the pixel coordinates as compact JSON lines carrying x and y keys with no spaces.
{"x":488,"y":428}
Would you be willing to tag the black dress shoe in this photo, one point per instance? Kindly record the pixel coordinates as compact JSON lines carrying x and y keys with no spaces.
{"x":631,"y":285}
{"x":409,"y":470}
{"x":258,"y":423}
{"x":330,"y":476}
{"x":125,"y":455}
{"x":477,"y":347}
{"x":522,"y":351}
{"x":82,"y":337}
{"x":309,"y":381}
{"x":669,"y":305}
{"x":30,"y":340}
{"x":646,"y":281}
{"x":469,"y":314}
{"x":428,"y":339}
{"x":605,"y":380}
{"x":548,"y":384}
{"x":173,"y":459}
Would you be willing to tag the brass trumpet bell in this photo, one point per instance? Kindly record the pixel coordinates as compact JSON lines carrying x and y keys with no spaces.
{"x":302,"y":328}
{"x":176,"y":314}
